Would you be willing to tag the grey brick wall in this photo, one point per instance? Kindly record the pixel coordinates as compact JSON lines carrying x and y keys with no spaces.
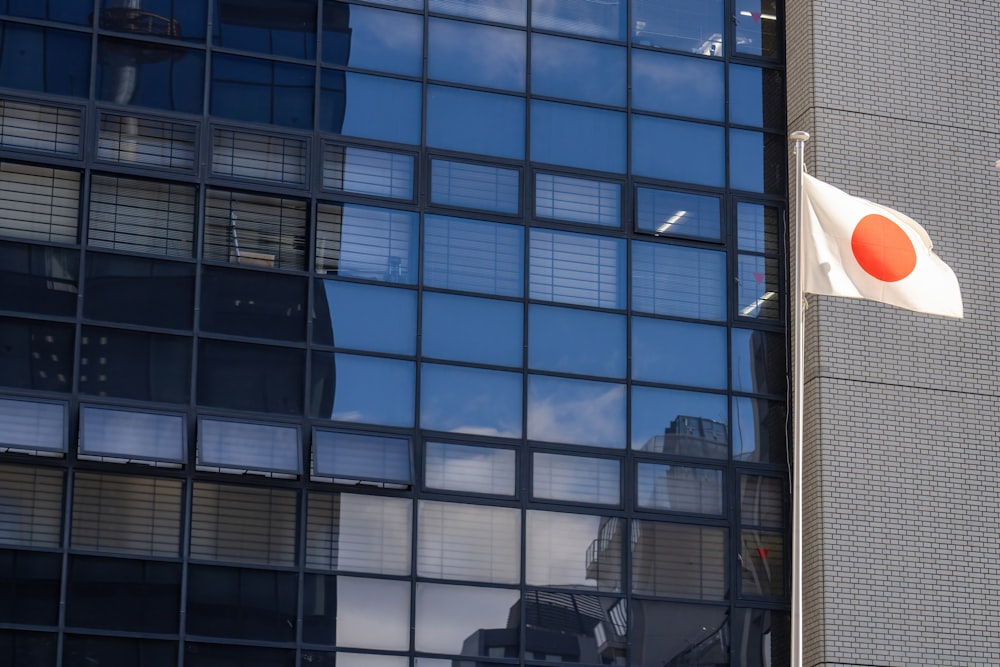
{"x":902,"y":470}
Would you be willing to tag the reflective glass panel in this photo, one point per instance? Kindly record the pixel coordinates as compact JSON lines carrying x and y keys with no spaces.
{"x":474,"y":256}
{"x":679,"y":488}
{"x":678,"y":353}
{"x":476,"y":54}
{"x":762,"y":501}
{"x":162,"y":18}
{"x":455,"y":619}
{"x":759,"y":430}
{"x":36,"y":355}
{"x":136,"y":290}
{"x":358,"y":533}
{"x":680,"y":423}
{"x":247,"y":524}
{"x":669,"y":213}
{"x":353,"y":388}
{"x":672,"y":280}
{"x":475,"y":122}
{"x":39,"y":279}
{"x":123,"y":595}
{"x":577,"y":70}
{"x":577,"y":268}
{"x":575,"y":479}
{"x":581,"y":17}
{"x":754,"y":96}
{"x":763,"y":563}
{"x":677,"y":150}
{"x":251,"y":229}
{"x":345,"y":659}
{"x":758,"y":361}
{"x":576,"y":341}
{"x":241,"y":602}
{"x":262,"y":91}
{"x":217,"y":655}
{"x":30,"y":581}
{"x":557,"y":131}
{"x":755,"y":162}
{"x":499,"y":11}
{"x":466,"y":328}
{"x":367,"y":171}
{"x":667,"y":632}
{"x":369,"y":38}
{"x":230,"y":444}
{"x":250,"y":377}
{"x":471,"y":469}
{"x":475,"y":186}
{"x":762,"y":630}
{"x":275,"y":28}
{"x":757,"y":27}
{"x":373,"y":613}
{"x":253,"y":304}
{"x":678,"y":85}
{"x":469,"y":542}
{"x":579,"y":412}
{"x":470,"y":400}
{"x":694,"y":26}
{"x":356,"y":456}
{"x":128,"y":434}
{"x":758,"y":227}
{"x":83,"y":651}
{"x":366,"y":242}
{"x":33,"y":424}
{"x":45,"y":60}
{"x":78,"y":12}
{"x":555,"y":543}
{"x":372,"y":107}
{"x":759,"y":290}
{"x":150,"y":75}
{"x":676,"y":560}
{"x":136,"y":365}
{"x":365,"y":317}
{"x":578,"y":200}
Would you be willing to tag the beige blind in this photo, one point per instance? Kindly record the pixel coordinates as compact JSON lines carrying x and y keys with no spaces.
{"x":38,"y":203}
{"x":241,"y":524}
{"x":258,"y":156}
{"x":142,"y":216}
{"x":253,"y":230}
{"x":38,"y":127}
{"x":677,"y":560}
{"x":30,"y":506}
{"x":358,"y":533}
{"x":146,"y":142}
{"x":126,"y":514}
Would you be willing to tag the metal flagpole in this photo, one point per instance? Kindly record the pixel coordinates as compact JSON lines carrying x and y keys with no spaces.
{"x":798,"y":375}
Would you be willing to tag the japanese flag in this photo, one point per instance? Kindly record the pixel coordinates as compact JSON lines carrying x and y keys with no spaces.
{"x":855,"y":248}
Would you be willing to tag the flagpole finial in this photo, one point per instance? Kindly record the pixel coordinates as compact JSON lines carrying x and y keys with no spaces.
{"x":799,"y":135}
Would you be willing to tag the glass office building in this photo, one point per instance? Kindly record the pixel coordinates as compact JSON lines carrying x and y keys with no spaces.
{"x":400,"y":333}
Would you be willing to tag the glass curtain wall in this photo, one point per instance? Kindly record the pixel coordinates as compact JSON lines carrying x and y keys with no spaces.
{"x":400,"y":333}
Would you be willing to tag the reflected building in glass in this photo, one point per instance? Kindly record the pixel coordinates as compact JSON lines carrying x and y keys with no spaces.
{"x":398,"y":333}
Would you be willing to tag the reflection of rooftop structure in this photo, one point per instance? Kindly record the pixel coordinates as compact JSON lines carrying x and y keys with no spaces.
{"x":691,"y":436}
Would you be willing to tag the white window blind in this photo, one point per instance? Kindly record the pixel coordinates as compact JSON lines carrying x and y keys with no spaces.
{"x":243,"y":446}
{"x":367,"y":171}
{"x":147,"y":142}
{"x":142,"y":216}
{"x":132,"y":435}
{"x":38,"y":203}
{"x":242,"y":524}
{"x":38,"y":127}
{"x":259,"y":157}
{"x":254,"y":230}
{"x":33,"y":425}
{"x":358,"y":533}
{"x":30,"y":506}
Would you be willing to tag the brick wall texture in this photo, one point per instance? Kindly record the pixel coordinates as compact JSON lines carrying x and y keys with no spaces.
{"x":902,"y":416}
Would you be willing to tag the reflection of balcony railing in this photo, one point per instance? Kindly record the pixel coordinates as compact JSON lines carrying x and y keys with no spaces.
{"x":139,"y":22}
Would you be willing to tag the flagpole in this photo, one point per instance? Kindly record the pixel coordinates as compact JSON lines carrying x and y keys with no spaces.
{"x":798,"y":375}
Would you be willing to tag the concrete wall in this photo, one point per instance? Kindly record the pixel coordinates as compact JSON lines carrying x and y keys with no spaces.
{"x":902,"y":470}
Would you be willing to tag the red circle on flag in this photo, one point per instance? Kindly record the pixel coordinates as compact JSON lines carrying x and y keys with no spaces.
{"x":883,"y":249}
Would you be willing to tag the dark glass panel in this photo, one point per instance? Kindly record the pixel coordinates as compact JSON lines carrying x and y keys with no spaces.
{"x":669,"y":213}
{"x":678,"y":85}
{"x":478,"y":55}
{"x":136,"y":365}
{"x":253,"y":304}
{"x":755,"y":96}
{"x":677,"y":488}
{"x":311,"y":658}
{"x":576,"y":341}
{"x":759,"y":430}
{"x":319,"y":609}
{"x":30,"y":581}
{"x":567,"y":627}
{"x":18,"y":647}
{"x":78,"y":12}
{"x":678,"y":560}
{"x":499,"y":11}
{"x":262,"y":91}
{"x":557,"y":132}
{"x":470,"y":400}
{"x":176,"y":19}
{"x":250,"y":377}
{"x":758,"y":362}
{"x":765,"y":638}
{"x":373,"y":107}
{"x":677,"y":150}
{"x":36,"y":355}
{"x":694,"y":26}
{"x":580,"y":17}
{"x":757,"y":27}
{"x":679,"y":353}
{"x":136,"y":290}
{"x":355,"y":388}
{"x":44,"y":60}
{"x":555,"y":543}
{"x":578,"y":412}
{"x":37,"y":279}
{"x":79,"y":651}
{"x":475,"y":122}
{"x":150,"y":75}
{"x":466,"y":328}
{"x":373,"y":613}
{"x":756,"y":161}
{"x":680,"y":423}
{"x":212,"y":655}
{"x":241,"y":603}
{"x":667,"y":633}
{"x":275,"y":27}
{"x":466,"y":620}
{"x":762,"y":559}
{"x":369,"y":38}
{"x":365,"y":317}
{"x":120,"y":594}
{"x":577,"y":70}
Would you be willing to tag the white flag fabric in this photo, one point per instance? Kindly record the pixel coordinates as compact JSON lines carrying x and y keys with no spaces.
{"x":856,"y":248}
